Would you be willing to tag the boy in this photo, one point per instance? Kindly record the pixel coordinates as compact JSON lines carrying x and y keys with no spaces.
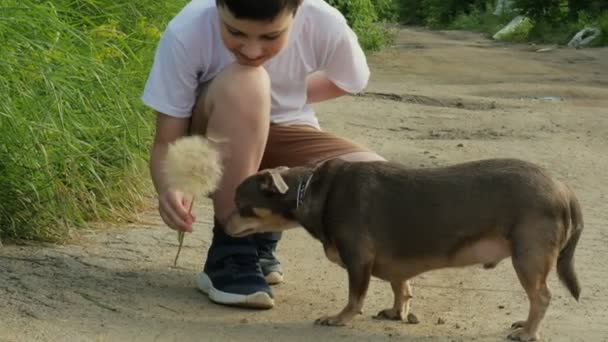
{"x":246,"y":71}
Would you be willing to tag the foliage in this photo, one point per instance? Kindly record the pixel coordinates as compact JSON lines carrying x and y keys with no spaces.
{"x":365,"y":17}
{"x":551,"y":21}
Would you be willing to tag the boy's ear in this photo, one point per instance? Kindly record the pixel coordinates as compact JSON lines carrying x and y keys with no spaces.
{"x":273,"y":182}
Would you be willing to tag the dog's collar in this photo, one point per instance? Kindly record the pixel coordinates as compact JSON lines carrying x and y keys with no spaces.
{"x":302,"y":188}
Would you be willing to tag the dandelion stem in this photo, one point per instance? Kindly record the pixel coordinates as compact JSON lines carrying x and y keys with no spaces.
{"x":180,"y":236}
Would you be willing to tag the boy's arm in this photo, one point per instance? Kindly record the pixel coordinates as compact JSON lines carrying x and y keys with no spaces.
{"x":171,"y":91}
{"x":343,"y":65}
{"x":321,"y":88}
{"x":168,"y":129}
{"x":172,"y":204}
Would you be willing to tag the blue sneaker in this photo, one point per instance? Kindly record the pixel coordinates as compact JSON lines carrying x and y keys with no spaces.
{"x":232,"y":274}
{"x":271,"y":267}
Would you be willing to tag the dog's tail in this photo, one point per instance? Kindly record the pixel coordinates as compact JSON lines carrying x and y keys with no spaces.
{"x":565,"y":261}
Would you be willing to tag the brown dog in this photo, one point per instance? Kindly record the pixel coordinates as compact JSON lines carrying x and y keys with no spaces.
{"x":385,"y":220}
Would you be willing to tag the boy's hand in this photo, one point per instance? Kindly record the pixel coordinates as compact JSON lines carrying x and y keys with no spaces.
{"x":173,"y":207}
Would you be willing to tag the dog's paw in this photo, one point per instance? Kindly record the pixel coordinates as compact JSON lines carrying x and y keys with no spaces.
{"x":334,"y":321}
{"x":390,"y":314}
{"x":518,"y":324}
{"x":412,"y":319}
{"x":394,"y":315}
{"x":522,"y":335}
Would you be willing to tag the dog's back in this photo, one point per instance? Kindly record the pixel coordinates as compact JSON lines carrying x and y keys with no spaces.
{"x":418,"y":212}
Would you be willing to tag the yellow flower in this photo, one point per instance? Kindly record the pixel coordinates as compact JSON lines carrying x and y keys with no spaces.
{"x":153,"y":32}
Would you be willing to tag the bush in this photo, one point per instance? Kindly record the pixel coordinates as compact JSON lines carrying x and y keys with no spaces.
{"x":411,"y":12}
{"x":364,"y":16}
{"x":548,"y":10}
{"x":481,"y":20}
{"x":436,"y":13}
{"x":520,"y":34}
{"x":387,"y":10}
{"x":585,"y":19}
{"x":73,"y":136}
{"x":547,"y":30}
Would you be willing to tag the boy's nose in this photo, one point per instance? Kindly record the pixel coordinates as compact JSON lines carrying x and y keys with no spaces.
{"x":251,"y":51}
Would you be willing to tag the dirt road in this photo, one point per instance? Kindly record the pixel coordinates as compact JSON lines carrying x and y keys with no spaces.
{"x":434,"y":98}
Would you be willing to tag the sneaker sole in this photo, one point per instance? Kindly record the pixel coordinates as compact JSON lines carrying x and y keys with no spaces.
{"x":274,"y":278}
{"x":258,"y":300}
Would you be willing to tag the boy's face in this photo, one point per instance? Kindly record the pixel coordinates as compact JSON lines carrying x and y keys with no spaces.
{"x":254,"y":42}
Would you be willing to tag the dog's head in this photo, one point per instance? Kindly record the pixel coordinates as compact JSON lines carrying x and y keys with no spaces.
{"x":266,"y":201}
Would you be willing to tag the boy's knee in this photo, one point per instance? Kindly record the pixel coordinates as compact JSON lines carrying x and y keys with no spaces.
{"x":239,"y":96}
{"x":247,"y":76}
{"x":246,"y":89}
{"x":240,"y":112}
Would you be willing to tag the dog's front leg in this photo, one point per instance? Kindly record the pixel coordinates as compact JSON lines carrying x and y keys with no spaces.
{"x":402,"y":292}
{"x":359,"y":274}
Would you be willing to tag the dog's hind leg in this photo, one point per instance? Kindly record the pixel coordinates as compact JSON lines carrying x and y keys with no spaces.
{"x":533,"y":261}
{"x":402,"y":292}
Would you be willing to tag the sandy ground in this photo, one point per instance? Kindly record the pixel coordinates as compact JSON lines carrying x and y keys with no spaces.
{"x":434,"y":99}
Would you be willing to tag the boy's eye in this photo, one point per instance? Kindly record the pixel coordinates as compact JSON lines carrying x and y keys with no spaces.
{"x":271,"y":37}
{"x":235,"y":32}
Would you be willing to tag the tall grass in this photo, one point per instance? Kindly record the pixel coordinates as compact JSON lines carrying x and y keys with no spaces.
{"x":73,"y":133}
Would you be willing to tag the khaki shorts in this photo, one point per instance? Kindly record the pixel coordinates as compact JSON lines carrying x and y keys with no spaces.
{"x":303,"y":145}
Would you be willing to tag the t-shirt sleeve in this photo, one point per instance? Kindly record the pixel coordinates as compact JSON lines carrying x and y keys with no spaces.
{"x":345,"y":63}
{"x":172,"y":83}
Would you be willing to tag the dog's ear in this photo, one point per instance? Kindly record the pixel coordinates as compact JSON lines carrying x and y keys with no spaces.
{"x":273,"y":182}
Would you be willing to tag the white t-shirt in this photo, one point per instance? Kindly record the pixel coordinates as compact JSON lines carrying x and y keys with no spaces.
{"x":191,"y":52}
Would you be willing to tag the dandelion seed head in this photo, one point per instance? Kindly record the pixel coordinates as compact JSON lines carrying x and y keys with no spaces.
{"x":193,"y":166}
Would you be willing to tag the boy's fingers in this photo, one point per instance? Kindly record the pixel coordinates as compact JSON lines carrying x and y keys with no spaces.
{"x":176,"y":221}
{"x":178,"y":204}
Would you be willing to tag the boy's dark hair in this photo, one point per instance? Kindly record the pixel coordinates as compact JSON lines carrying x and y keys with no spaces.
{"x":263,"y":10}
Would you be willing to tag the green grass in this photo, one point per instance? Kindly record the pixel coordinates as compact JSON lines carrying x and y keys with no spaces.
{"x":73,"y":132}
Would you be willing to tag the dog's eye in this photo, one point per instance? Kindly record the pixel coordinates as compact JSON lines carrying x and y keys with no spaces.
{"x":269,"y":193}
{"x":273,"y":194}
{"x":246,"y":211}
